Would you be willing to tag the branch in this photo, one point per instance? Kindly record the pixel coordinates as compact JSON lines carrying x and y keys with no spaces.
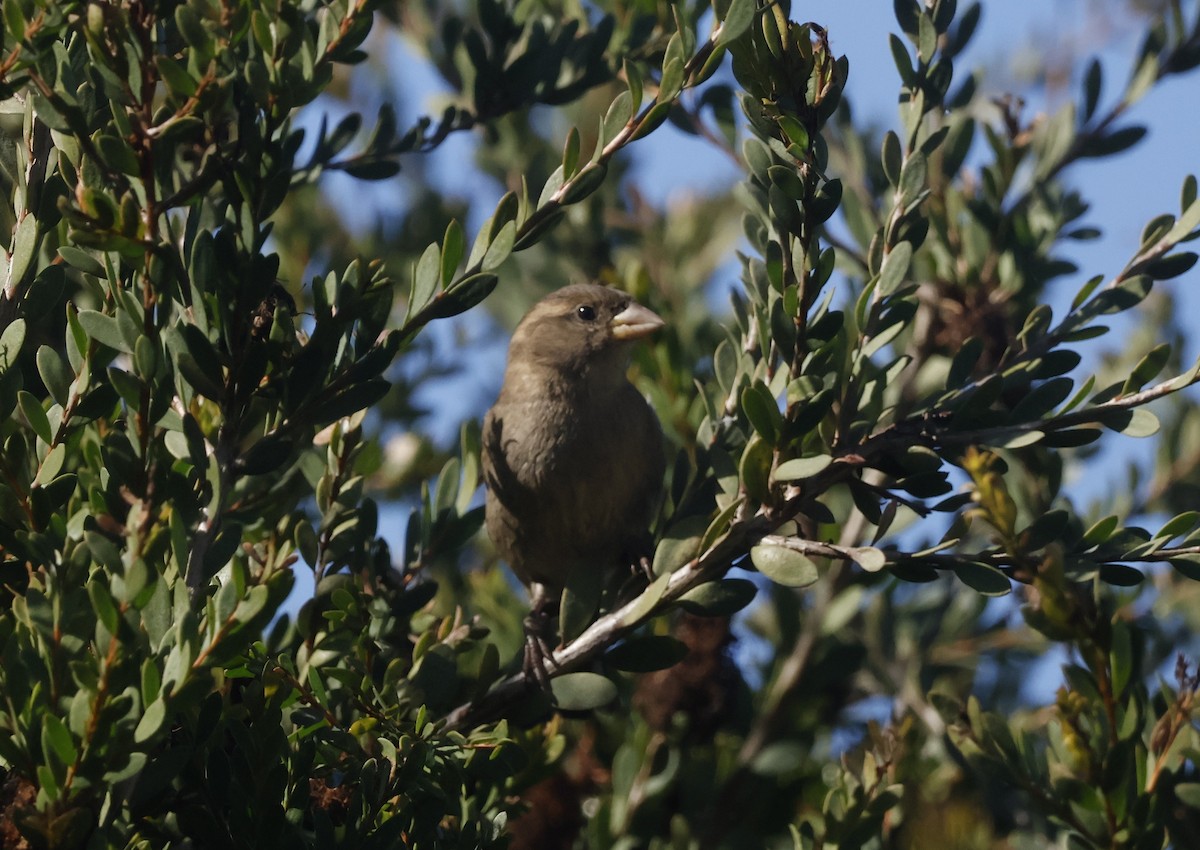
{"x":1094,"y":414}
{"x":611,"y":627}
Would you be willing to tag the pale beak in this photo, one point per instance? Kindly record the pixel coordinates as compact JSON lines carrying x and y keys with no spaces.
{"x":634,"y":322}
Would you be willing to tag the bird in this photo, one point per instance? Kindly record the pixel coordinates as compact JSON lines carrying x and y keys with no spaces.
{"x":572,"y":454}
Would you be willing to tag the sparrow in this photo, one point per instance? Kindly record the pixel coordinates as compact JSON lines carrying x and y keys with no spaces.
{"x":573,"y":455}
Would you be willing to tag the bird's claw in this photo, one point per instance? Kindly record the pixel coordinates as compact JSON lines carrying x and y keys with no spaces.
{"x":539,"y":655}
{"x":641,"y":575}
{"x":646,"y":569}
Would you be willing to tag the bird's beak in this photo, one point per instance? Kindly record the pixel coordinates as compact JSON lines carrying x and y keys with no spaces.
{"x":634,"y":322}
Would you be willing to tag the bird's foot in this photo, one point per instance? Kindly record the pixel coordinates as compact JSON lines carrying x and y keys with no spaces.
{"x":643,"y":567}
{"x":539,"y":655}
{"x":640,"y":576}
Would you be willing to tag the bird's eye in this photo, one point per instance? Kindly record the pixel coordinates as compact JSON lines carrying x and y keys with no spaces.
{"x":586,"y":312}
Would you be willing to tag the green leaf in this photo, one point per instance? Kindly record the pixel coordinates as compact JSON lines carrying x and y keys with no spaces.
{"x":1092,"y":83}
{"x":14,"y":19}
{"x":104,"y":330}
{"x":44,"y":293}
{"x":762,"y":410}
{"x":645,"y":604}
{"x":197,"y":378}
{"x":718,"y":598}
{"x":462,"y":297}
{"x":179,"y":82}
{"x":779,"y":759}
{"x":127,"y":385}
{"x":469,"y":451}
{"x":582,"y":691}
{"x":983,"y":578}
{"x":802,"y":467}
{"x":652,"y":120}
{"x":356,"y":398}
{"x":551,"y":187}
{"x":1125,"y":296}
{"x":672,"y":70}
{"x":1138,"y":422}
{"x":634,"y":78}
{"x":1114,"y":142}
{"x":570,"y":158}
{"x":373,"y":169}
{"x":615,"y":120}
{"x":1086,"y":291}
{"x":579,"y":602}
{"x":51,"y":465}
{"x":1147,"y":368}
{"x":926,"y":38}
{"x":1156,"y":228}
{"x":47,"y":783}
{"x":500,"y":248}
{"x":253,"y":604}
{"x":1188,"y":221}
{"x":103,"y":550}
{"x":1020,"y":439}
{"x":964,"y":362}
{"x":553,"y":184}
{"x":903,"y":61}
{"x":1047,"y":528}
{"x":795,"y":132}
{"x":912,"y":179}
{"x":56,"y":739}
{"x":783,"y":565}
{"x":1038,"y":402}
{"x":24,"y":246}
{"x":895,"y":269}
{"x":892,"y":157}
{"x":725,"y":366}
{"x":1179,"y":524}
{"x":907,"y":14}
{"x":35,"y":415}
{"x":1170,"y":266}
{"x":10,"y":344}
{"x":55,"y":374}
{"x":647,"y":654}
{"x":191,"y":27}
{"x":1188,"y":194}
{"x":58,"y":490}
{"x":103,"y":604}
{"x":533,"y":233}
{"x":1053,"y":140}
{"x":1102,"y":530}
{"x":1122,"y":575}
{"x":1188,"y":794}
{"x":755,"y":467}
{"x":201,"y":366}
{"x":267,"y":455}
{"x":679,"y":545}
{"x":869,"y":558}
{"x":584,"y":183}
{"x":425,"y":279}
{"x":152,"y":721}
{"x":506,"y":211}
{"x":737,"y":20}
{"x":1187,"y":565}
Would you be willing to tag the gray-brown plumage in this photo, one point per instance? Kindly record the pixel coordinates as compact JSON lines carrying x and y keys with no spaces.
{"x":572,"y":454}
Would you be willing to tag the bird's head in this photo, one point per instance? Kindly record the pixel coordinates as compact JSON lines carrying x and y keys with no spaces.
{"x":584,"y":329}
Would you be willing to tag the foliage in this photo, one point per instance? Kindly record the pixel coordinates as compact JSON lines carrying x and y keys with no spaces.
{"x":199,"y":378}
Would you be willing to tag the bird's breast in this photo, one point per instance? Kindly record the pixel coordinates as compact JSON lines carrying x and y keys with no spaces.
{"x":570,"y":484}
{"x":585,"y":462}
